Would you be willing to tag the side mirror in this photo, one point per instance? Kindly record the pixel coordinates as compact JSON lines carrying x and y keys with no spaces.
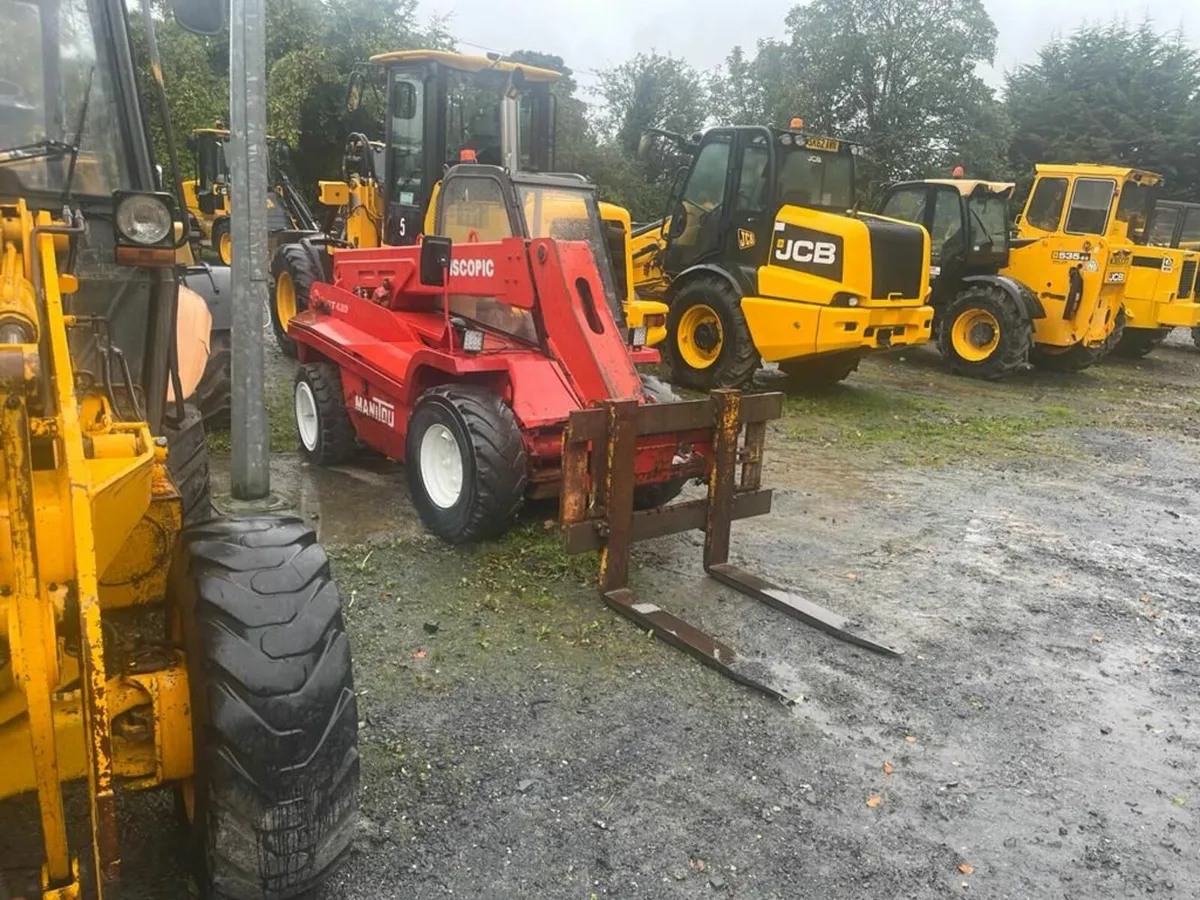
{"x":435,"y":260}
{"x":158,"y":176}
{"x":678,"y":221}
{"x":645,"y":142}
{"x":200,"y":16}
{"x":516,"y":83}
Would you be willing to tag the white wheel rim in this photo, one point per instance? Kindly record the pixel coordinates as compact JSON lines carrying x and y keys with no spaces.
{"x":306,"y":416}
{"x":441,"y":466}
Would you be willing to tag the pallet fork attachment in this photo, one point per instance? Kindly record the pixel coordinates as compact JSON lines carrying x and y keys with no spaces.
{"x":597,"y":512}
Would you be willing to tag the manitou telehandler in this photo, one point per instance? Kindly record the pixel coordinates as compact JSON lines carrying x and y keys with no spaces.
{"x":207,"y":195}
{"x":495,"y":371}
{"x":1067,"y":289}
{"x":144,"y":641}
{"x":442,"y":108}
{"x":762,"y":256}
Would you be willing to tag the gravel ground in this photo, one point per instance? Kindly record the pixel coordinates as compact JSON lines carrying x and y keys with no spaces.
{"x":1027,"y":544}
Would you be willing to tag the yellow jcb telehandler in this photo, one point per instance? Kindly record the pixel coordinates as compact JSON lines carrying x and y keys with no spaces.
{"x":1176,"y":224}
{"x":444,"y":108}
{"x":1058,"y":294}
{"x":144,"y":641}
{"x":763,"y":258}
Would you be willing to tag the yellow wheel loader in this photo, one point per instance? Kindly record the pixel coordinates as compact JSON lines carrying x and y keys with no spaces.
{"x":1058,"y":293}
{"x":443,"y":108}
{"x":207,"y":195}
{"x":145,"y":642}
{"x":762,"y":258}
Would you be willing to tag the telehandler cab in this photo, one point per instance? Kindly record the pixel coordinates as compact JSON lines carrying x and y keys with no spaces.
{"x":442,"y":108}
{"x":495,"y":370}
{"x":144,"y":641}
{"x":1176,"y":224}
{"x":762,"y":257}
{"x":207,"y":195}
{"x":1057,"y":295}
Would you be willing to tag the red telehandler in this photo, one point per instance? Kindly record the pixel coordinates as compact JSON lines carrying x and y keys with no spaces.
{"x":493,"y":368}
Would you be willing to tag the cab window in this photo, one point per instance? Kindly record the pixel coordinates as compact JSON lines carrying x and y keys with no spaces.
{"x":1162,"y":230}
{"x":472,"y":209}
{"x":752,"y":182}
{"x":1189,"y":238}
{"x":706,"y":185}
{"x":946,"y":233}
{"x":1090,"y":203}
{"x":407,"y":101}
{"x":1134,"y":207}
{"x":907,"y":204}
{"x":1046,"y":203}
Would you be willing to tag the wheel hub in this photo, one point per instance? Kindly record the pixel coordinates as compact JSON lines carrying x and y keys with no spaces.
{"x":982,"y":334}
{"x":707,"y":337}
{"x":441,"y":466}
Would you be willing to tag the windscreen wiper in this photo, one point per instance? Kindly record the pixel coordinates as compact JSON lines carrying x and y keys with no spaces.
{"x":43,"y":149}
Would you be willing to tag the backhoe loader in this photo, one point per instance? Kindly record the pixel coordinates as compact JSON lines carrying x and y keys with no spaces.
{"x":207,"y":195}
{"x":762,"y":257}
{"x":1069,"y":288}
{"x":442,"y":108}
{"x":144,"y":641}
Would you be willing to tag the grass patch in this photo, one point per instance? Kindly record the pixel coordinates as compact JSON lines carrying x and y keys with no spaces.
{"x":917,"y":428}
{"x":281,"y":425}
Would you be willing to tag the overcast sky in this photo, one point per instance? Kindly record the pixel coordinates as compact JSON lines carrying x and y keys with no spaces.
{"x":595,"y":34}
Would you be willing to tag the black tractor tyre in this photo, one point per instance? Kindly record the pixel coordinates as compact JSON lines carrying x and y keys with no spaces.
{"x":274,"y":716}
{"x":187,"y":461}
{"x":492,"y":455}
{"x":1196,"y":336}
{"x":293,"y":261}
{"x":821,"y":371}
{"x":332,"y":432}
{"x":220,"y":232}
{"x":1136,"y":343}
{"x":1015,"y":339}
{"x":738,"y":358}
{"x":214,"y":393}
{"x":1075,"y":358}
{"x":652,"y":496}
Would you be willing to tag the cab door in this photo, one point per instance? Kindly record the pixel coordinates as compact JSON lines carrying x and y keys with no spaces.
{"x":746,"y":240}
{"x":696,"y":228}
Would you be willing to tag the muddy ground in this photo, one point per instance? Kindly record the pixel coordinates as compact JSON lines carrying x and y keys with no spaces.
{"x":1030,"y":546}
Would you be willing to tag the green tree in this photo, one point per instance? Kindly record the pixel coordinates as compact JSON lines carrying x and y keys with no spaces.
{"x":898,"y":75}
{"x":1111,"y":94}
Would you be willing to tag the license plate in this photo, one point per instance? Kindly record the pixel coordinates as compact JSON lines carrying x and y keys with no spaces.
{"x":822,"y":143}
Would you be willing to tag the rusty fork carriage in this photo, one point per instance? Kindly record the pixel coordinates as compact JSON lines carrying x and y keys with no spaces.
{"x":597,"y":513}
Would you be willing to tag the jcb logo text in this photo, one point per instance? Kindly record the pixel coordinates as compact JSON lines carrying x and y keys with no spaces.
{"x":822,"y":253}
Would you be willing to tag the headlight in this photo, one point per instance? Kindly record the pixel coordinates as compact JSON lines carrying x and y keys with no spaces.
{"x":15,"y":332}
{"x":144,"y":219}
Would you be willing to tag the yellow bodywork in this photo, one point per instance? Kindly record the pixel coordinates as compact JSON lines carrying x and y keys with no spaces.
{"x":88,"y":519}
{"x":1160,"y":290}
{"x":797,"y":314}
{"x":1112,"y":268}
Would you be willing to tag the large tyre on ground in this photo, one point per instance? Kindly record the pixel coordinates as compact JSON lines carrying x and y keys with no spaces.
{"x":466,"y":462}
{"x":1136,"y":343}
{"x":214,"y":393}
{"x":293,"y":274}
{"x":1196,"y":336}
{"x":819,"y":372}
{"x":708,"y":341}
{"x":1075,"y":358}
{"x":187,"y":461}
{"x":273,"y":802}
{"x":222,"y":242}
{"x":323,"y":426}
{"x":652,"y":496}
{"x":985,"y":333}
